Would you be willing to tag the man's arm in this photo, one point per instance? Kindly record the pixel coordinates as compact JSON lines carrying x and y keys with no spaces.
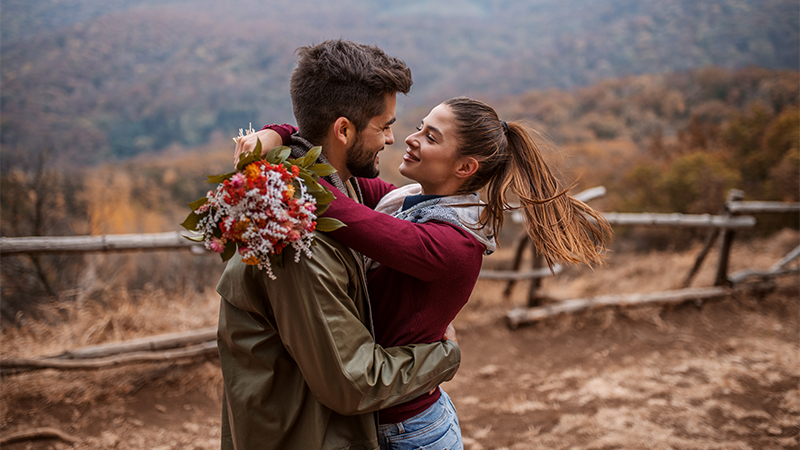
{"x":320,"y":326}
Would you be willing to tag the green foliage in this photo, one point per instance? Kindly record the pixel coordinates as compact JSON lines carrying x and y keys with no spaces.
{"x":697,"y":183}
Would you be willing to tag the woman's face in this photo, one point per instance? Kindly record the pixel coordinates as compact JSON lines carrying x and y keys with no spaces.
{"x":431,"y":158}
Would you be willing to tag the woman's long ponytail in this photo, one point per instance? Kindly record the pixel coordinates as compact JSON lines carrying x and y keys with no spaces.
{"x":562,"y":228}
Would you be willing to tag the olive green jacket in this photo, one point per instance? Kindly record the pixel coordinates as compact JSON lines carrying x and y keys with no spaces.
{"x":299,"y":364}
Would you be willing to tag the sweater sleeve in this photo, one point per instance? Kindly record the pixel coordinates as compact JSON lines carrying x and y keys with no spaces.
{"x":285,"y":131}
{"x":426,"y":251}
{"x":373,"y":190}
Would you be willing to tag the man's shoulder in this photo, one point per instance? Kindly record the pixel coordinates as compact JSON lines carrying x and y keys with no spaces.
{"x":326,"y":246}
{"x":326,"y":256}
{"x":330,"y":262}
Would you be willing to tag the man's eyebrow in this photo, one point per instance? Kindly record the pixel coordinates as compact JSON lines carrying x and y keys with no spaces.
{"x":391,"y":122}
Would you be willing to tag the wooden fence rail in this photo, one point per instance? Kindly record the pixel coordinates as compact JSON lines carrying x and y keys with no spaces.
{"x":680,"y":220}
{"x":165,"y":347}
{"x":727,"y":223}
{"x":740,"y":207}
{"x":106,"y":243}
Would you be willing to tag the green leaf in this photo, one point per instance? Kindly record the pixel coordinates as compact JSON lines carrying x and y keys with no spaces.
{"x":249,"y":157}
{"x":309,"y":181}
{"x":197,"y":238}
{"x":278,"y":154}
{"x":219,"y":178}
{"x":306,"y":172}
{"x":230,"y":250}
{"x":325,"y":197}
{"x":321,"y":209}
{"x":311,"y":157}
{"x":296,"y":183}
{"x":276,"y":260}
{"x":322,"y":194}
{"x":191,"y":221}
{"x":329,"y":224}
{"x":257,"y":150}
{"x":198,"y":203}
{"x":322,"y":170}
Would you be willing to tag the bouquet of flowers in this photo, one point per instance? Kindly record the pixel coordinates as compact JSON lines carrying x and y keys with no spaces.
{"x":267,"y":204}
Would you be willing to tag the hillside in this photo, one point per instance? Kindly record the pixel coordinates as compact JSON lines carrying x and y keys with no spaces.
{"x":100,"y":80}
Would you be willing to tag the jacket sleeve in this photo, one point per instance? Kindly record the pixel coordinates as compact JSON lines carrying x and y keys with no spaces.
{"x":426,"y":251}
{"x":320,"y":326}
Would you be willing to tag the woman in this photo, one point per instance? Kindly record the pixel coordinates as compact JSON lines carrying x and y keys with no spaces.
{"x":427,"y":239}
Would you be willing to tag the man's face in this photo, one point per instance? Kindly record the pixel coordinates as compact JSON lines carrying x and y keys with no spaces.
{"x":362,"y":157}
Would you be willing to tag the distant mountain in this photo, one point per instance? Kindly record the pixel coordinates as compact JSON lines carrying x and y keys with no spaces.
{"x":100,"y":79}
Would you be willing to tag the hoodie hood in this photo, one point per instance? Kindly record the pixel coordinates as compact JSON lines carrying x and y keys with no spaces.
{"x":450,"y":209}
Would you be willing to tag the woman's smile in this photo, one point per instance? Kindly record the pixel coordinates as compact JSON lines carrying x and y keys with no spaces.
{"x":410,"y":156}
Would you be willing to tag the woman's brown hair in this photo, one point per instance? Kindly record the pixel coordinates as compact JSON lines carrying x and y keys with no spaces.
{"x":510,"y":165}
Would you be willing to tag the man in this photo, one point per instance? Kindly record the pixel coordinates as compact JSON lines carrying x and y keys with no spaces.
{"x":300,"y":367}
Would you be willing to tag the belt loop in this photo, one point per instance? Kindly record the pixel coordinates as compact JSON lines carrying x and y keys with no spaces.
{"x":400,"y":428}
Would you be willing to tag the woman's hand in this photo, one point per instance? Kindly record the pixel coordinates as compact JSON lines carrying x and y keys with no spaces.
{"x":269,"y":140}
{"x":450,"y":333}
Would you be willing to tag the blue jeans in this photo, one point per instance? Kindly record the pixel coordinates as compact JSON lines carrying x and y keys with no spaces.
{"x":436,"y":428}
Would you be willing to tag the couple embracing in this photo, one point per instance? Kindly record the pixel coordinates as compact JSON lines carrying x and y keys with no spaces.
{"x":346,"y":349}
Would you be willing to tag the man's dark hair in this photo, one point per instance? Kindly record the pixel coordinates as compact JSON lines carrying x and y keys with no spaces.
{"x":339,"y":78}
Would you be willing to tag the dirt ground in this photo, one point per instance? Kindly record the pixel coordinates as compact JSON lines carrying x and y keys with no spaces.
{"x":720,"y":375}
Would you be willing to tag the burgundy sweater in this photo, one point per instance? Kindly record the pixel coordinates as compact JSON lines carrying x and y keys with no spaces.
{"x":426,"y":276}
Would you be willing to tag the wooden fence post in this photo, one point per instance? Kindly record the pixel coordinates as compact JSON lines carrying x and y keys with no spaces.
{"x":537,"y":262}
{"x":523,"y":242}
{"x":725,"y":242}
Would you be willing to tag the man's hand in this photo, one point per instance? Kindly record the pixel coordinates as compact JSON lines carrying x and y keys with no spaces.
{"x":269,"y":140}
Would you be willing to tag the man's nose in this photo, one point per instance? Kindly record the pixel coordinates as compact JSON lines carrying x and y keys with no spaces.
{"x":389,"y":137}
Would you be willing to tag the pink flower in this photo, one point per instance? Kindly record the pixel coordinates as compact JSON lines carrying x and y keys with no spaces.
{"x":216,"y":245}
{"x":238,"y":180}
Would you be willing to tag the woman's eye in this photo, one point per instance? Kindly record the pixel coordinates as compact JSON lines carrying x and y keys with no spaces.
{"x":430,"y":137}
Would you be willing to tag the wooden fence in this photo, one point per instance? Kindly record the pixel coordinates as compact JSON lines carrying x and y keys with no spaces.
{"x":106,"y":243}
{"x":202,"y":342}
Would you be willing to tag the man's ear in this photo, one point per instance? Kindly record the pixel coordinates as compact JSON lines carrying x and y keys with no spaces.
{"x":344,"y":130}
{"x":467,"y":167}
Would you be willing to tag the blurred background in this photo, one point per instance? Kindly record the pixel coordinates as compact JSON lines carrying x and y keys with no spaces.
{"x":113,"y":111}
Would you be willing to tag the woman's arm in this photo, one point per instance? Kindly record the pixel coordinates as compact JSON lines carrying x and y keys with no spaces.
{"x":426,"y":251}
{"x":373,"y":190}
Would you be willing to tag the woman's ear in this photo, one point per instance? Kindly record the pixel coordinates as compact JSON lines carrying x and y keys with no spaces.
{"x":344,"y":130}
{"x":467,"y":167}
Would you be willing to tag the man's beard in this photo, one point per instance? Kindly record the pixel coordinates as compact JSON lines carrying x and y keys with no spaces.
{"x":361,"y":162}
